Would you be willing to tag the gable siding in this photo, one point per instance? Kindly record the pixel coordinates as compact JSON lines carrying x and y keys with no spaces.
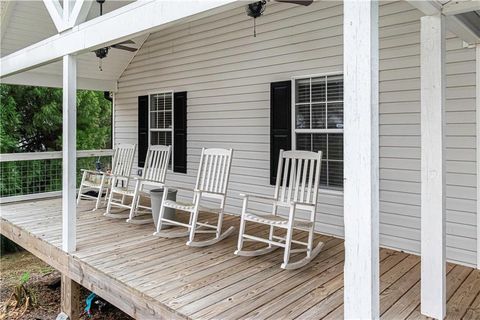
{"x":227,"y":74}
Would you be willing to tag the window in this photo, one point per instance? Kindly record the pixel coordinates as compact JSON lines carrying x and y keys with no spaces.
{"x":318,"y":116}
{"x":161,"y":119}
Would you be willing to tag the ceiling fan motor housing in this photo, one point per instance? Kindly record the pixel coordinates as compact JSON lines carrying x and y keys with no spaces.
{"x":101,"y":53}
{"x":256,"y":9}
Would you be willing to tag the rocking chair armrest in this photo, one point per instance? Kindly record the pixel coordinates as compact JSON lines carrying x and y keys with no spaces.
{"x":297,"y":203}
{"x":92,"y":171}
{"x":148,"y":180}
{"x":209,"y":192}
{"x":117,"y":176}
{"x":257,"y":196}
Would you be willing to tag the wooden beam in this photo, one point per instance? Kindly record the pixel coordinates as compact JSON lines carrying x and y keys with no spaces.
{"x":478,"y":149}
{"x":79,"y":12}
{"x":427,"y":7}
{"x":361,"y":141}
{"x":433,"y":277}
{"x":127,"y":22}
{"x":69,"y":153}
{"x":456,"y":26}
{"x":70,"y":298}
{"x":461,"y":30}
{"x":55,"y":11}
{"x":458,"y":7}
{"x":33,"y":78}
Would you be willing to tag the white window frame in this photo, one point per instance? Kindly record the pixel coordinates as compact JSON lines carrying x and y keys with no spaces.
{"x":322,"y":189}
{"x":172,"y":92}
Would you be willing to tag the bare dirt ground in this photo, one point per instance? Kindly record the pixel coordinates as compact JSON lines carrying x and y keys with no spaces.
{"x":44,"y":286}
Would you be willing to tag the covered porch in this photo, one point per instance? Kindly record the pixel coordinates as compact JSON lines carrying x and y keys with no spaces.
{"x":148,"y":277}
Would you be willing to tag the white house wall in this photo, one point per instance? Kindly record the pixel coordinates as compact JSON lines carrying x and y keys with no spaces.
{"x":227,"y":74}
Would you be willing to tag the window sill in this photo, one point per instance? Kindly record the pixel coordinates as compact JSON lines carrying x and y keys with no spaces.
{"x":331,"y":192}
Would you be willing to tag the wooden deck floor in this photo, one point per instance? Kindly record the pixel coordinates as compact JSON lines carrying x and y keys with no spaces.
{"x":149,"y":277}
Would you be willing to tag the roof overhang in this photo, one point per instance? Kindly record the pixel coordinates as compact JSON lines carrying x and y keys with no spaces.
{"x":455,"y":12}
{"x":136,"y":19}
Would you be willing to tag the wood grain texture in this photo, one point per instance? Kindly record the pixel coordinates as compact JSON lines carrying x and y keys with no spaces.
{"x":153,"y":278}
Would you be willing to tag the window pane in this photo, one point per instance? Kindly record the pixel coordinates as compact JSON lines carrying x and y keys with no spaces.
{"x":302,"y":89}
{"x":161,"y":138}
{"x":168,"y":120}
{"x":318,"y":116}
{"x":335,"y":174}
{"x":335,"y":116}
{"x":168,"y":101}
{"x":153,"y":120}
{"x":335,"y":88}
{"x":335,"y":146}
{"x":320,"y":143}
{"x":318,"y":89}
{"x":304,"y":141}
{"x":302,"y":114}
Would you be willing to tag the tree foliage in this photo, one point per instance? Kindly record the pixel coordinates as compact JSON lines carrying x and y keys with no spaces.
{"x":31,"y":119}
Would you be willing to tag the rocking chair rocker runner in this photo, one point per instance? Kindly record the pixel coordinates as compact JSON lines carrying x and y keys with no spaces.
{"x":154,"y":173}
{"x":211,"y":184}
{"x":122,"y":162}
{"x":297,"y":190}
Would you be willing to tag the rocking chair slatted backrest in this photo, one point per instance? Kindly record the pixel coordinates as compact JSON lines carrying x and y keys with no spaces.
{"x":298,"y":176}
{"x":122,"y":161}
{"x":214,"y":170}
{"x":156,"y":163}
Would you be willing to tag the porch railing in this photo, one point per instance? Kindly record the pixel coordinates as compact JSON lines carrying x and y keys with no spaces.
{"x":34,"y":175}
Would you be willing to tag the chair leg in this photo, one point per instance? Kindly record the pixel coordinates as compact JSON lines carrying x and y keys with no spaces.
{"x":270,"y":236}
{"x":241,"y":231}
{"x":193,"y":220}
{"x":100,"y":192}
{"x":162,"y":211}
{"x":135,"y":199}
{"x":79,"y":197}
{"x":219,"y":222}
{"x":310,"y":243}
{"x":288,"y":244}
{"x":109,"y":205}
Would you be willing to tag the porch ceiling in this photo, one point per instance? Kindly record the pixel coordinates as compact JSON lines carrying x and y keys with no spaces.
{"x":25,"y":23}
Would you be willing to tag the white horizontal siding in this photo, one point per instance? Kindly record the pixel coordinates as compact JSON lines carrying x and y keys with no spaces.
{"x":227,"y":73}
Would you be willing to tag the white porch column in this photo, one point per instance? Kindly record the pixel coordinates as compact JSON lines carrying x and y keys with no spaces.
{"x":361,"y":153}
{"x":432,"y":68}
{"x":69,"y":153}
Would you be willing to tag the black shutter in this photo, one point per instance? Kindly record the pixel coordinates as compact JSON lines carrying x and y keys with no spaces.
{"x":280,"y":123}
{"x":180,"y":132}
{"x":142,"y":130}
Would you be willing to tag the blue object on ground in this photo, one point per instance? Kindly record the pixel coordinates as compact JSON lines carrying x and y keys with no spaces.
{"x":89,"y":301}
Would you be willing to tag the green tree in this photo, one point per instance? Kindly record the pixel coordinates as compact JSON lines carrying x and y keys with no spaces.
{"x":31,"y":119}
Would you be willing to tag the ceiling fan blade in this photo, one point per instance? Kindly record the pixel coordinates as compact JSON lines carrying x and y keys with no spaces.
{"x":126,"y":42}
{"x":300,"y":2}
{"x":119,"y":46}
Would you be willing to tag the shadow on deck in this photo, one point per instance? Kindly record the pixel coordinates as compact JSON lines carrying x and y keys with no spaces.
{"x":149,"y":277}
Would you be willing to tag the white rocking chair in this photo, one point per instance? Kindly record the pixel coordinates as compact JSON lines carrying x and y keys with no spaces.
{"x":212,"y":182}
{"x":297,"y":190}
{"x":122,"y":162}
{"x":154,"y":173}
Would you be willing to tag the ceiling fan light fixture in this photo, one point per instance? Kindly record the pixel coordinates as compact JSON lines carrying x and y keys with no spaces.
{"x":101,"y":53}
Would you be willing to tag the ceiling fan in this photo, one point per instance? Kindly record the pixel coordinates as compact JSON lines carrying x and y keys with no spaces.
{"x":103,"y":52}
{"x":256,"y":9}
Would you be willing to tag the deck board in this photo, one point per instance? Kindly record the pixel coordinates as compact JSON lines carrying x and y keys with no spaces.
{"x":149,"y":277}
